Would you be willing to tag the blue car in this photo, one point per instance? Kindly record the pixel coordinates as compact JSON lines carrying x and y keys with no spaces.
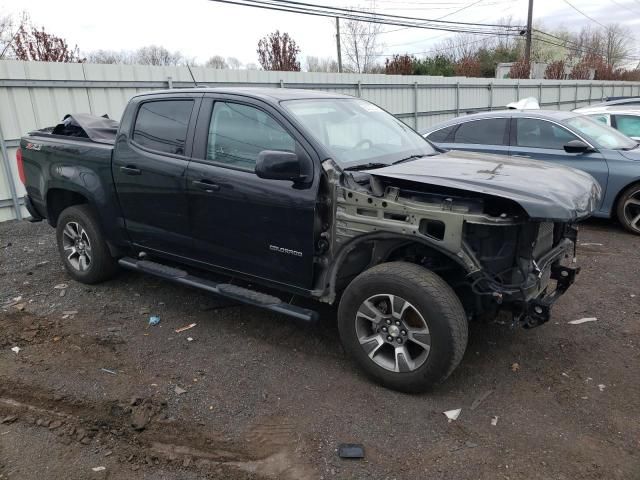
{"x":567,"y":138}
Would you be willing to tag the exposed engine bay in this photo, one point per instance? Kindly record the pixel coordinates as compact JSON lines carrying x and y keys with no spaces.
{"x":487,"y":248}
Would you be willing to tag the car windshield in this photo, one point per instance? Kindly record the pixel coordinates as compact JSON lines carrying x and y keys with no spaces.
{"x":357,"y":132}
{"x":603,"y":135}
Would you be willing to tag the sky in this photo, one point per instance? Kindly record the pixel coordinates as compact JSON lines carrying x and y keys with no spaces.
{"x":203,"y":28}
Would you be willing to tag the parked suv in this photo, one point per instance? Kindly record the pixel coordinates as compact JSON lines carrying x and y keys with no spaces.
{"x":258,"y":194}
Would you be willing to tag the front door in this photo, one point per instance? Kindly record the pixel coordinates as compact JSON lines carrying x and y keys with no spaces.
{"x":149,"y":166}
{"x":239,"y":222}
{"x":538,"y":139}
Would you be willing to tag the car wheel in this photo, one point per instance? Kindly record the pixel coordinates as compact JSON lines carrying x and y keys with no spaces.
{"x":628,"y":209}
{"x":403,"y":325}
{"x":82,"y":247}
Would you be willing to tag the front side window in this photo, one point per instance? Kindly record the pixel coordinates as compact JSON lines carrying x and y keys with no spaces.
{"x":238,"y":133}
{"x":356,"y":132}
{"x":162,"y":125}
{"x":483,"y":132}
{"x":602,"y":135}
{"x":535,"y":133}
{"x":629,"y":125}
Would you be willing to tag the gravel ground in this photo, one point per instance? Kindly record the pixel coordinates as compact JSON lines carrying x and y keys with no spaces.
{"x":256,"y":395}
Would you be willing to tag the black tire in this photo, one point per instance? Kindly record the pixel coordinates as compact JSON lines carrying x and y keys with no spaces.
{"x":432,"y":298}
{"x":627,"y":215}
{"x":101,"y":266}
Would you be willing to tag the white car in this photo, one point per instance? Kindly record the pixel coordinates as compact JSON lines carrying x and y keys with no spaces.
{"x":625,"y":118}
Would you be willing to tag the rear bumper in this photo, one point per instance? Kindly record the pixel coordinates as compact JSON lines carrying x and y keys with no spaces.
{"x":35,"y":216}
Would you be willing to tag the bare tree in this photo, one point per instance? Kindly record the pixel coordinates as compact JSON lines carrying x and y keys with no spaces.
{"x":317,"y":64}
{"x":123,"y":57}
{"x":278,"y":51}
{"x":33,"y":44}
{"x":216,"y":62}
{"x":157,"y":55}
{"x":617,"y":43}
{"x":360,"y":45}
{"x":234,"y":63}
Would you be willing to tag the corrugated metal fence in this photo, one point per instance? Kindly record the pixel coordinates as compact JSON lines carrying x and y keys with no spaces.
{"x":37,"y":94}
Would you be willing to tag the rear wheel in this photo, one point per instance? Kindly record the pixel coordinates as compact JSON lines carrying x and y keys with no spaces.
{"x":403,"y":325}
{"x":628,"y":209}
{"x":82,"y":248}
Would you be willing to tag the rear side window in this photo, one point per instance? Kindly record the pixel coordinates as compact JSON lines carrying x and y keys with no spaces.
{"x":238,"y":133}
{"x":629,"y":125}
{"x":491,"y":131}
{"x":534,"y":133}
{"x":443,"y":135}
{"x":162,"y":125}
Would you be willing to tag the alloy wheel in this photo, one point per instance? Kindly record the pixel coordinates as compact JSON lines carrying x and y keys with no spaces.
{"x":393,"y":333}
{"x":77,"y":246}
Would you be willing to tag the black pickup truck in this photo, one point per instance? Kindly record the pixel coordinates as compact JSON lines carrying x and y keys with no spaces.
{"x":256,"y":194}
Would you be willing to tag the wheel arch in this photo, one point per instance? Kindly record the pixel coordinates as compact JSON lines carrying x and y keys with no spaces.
{"x":382,"y":247}
{"x":614,"y":205}
{"x":58,"y":199}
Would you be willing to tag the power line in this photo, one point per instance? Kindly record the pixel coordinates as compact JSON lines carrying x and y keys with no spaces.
{"x":576,"y":47}
{"x":372,"y":17}
{"x":583,"y":14}
{"x":354,"y":11}
{"x":625,"y":7}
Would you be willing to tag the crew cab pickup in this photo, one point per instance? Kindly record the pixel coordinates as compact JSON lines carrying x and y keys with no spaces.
{"x":266,"y":196}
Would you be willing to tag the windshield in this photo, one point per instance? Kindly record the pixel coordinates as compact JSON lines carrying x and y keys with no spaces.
{"x":357,"y":132}
{"x":603,"y":135}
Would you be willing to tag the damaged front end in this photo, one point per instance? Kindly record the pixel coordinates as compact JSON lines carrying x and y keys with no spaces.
{"x":525,"y":268}
{"x":487,"y":248}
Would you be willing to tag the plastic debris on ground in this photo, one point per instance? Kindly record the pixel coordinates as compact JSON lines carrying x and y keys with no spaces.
{"x":494,"y":421}
{"x":592,"y":244}
{"x":515,"y":367}
{"x":187,"y":327}
{"x":61,"y":286}
{"x":350,"y":450}
{"x":582,"y":320}
{"x":189,"y":339}
{"x":601,"y":387}
{"x":106,"y":370}
{"x":154,"y":320}
{"x":98,"y":469}
{"x":179,"y":390}
{"x":452,"y":414}
{"x":15,"y":349}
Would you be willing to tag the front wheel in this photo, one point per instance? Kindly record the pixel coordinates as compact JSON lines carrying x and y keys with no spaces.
{"x":628,"y":209}
{"x":403,"y":325}
{"x":82,"y":247}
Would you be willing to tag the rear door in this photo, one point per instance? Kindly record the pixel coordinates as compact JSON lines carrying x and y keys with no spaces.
{"x":149,"y":165}
{"x":239,"y":222}
{"x":539,"y":139}
{"x":487,"y":135}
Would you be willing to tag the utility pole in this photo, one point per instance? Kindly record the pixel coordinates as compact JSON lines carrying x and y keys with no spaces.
{"x":338,"y":44}
{"x":527,"y":48}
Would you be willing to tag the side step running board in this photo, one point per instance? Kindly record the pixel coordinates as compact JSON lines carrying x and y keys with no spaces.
{"x":234,"y":292}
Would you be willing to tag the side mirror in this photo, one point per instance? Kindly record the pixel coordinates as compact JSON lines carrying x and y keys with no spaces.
{"x":279,"y":165}
{"x":577,"y":146}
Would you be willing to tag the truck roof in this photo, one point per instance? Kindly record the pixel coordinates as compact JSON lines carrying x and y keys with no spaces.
{"x":269,"y":94}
